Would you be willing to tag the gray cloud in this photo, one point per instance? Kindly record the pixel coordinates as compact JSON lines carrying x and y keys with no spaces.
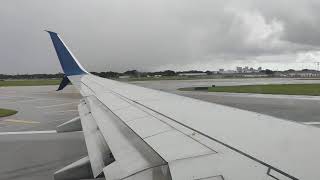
{"x":150,"y":35}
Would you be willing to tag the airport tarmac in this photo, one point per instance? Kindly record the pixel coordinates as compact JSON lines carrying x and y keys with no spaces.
{"x":25,"y":155}
{"x":32,"y":150}
{"x":173,"y":85}
{"x":304,"y":109}
{"x":39,"y":108}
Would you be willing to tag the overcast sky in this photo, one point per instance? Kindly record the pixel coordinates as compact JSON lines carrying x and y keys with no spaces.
{"x":151,"y":35}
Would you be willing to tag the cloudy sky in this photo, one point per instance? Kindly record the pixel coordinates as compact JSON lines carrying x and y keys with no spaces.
{"x":151,"y":35}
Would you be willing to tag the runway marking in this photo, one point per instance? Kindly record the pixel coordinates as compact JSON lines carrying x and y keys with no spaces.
{"x":15,"y":97}
{"x":21,"y":121}
{"x":43,"y":107}
{"x":59,"y":120}
{"x":28,"y":132}
{"x":312,"y":123}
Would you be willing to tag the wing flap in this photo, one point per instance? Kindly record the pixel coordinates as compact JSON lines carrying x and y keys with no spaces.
{"x":98,"y":150}
{"x":129,"y":150}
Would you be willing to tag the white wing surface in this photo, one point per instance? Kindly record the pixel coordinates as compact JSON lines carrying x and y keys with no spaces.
{"x":135,"y":133}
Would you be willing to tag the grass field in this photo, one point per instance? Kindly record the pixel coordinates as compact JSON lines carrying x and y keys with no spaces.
{"x":37,"y":82}
{"x":7,"y":112}
{"x":288,"y":89}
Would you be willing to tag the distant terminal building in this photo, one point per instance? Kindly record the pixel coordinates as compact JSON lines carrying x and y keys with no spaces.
{"x":239,"y":69}
{"x":248,"y":69}
{"x":301,"y":74}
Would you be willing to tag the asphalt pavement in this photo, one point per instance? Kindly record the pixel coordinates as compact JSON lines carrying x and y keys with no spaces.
{"x":32,"y":150}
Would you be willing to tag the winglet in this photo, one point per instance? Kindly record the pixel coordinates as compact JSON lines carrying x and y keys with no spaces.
{"x":69,"y":63}
{"x":65,"y":81}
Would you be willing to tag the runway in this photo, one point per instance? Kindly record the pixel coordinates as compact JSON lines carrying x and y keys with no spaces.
{"x":33,"y":151}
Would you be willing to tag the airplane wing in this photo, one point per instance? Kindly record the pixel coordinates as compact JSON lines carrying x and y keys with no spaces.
{"x":135,"y":133}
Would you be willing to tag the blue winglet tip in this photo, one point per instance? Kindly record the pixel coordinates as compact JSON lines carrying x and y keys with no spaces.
{"x":50,"y":32}
{"x":69,"y":63}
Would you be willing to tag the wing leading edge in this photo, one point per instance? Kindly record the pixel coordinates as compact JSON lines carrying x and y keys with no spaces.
{"x":139,"y":133}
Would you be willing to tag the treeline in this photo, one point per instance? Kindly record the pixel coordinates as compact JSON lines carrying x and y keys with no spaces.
{"x":108,"y":74}
{"x":114,"y":75}
{"x":135,"y":73}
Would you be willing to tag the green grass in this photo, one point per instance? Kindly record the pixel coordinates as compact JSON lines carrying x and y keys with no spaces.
{"x":26,"y":82}
{"x":308,"y":79}
{"x":288,"y":89}
{"x":7,"y":112}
